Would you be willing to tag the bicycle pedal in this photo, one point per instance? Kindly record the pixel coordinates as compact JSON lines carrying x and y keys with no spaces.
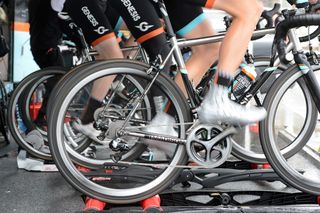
{"x":119,"y":146}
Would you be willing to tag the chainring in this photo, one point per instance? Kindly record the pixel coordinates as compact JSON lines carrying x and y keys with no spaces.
{"x":204,"y":147}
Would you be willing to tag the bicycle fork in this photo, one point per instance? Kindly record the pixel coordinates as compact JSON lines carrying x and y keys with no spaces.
{"x":309,"y":77}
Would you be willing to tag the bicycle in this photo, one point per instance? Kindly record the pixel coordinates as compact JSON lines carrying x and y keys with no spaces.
{"x":115,"y":180}
{"x":238,"y":150}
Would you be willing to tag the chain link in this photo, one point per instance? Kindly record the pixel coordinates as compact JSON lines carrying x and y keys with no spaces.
{"x":175,"y":124}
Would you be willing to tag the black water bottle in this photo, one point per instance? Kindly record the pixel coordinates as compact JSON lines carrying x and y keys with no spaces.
{"x":243,"y":80}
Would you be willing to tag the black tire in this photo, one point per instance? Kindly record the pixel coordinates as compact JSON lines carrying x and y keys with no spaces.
{"x":17,"y":101}
{"x":22,"y":98}
{"x":26,"y":96}
{"x":270,"y":146}
{"x":3,"y":110}
{"x":72,"y":83}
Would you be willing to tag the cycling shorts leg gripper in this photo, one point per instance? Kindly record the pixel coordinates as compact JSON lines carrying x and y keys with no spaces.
{"x":150,"y":35}
{"x":88,"y":15}
{"x":190,"y":26}
{"x":184,"y":16}
{"x":103,"y":38}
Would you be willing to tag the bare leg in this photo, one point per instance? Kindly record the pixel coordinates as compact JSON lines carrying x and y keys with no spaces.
{"x":203,"y":56}
{"x":216,"y":106}
{"x":108,"y":49}
{"x":245,"y":15}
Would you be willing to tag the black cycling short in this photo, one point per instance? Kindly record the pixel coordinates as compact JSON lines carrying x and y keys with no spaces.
{"x":184,"y":17}
{"x":90,"y":17}
{"x":140,"y":17}
{"x":144,"y":24}
{"x":199,"y":3}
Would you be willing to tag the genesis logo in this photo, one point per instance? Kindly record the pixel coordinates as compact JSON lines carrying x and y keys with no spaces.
{"x":89,"y":16}
{"x":101,"y":30}
{"x":131,"y":9}
{"x":144,"y":26}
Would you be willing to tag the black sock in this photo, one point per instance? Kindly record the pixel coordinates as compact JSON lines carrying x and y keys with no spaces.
{"x":87,"y":115}
{"x":223,"y":79}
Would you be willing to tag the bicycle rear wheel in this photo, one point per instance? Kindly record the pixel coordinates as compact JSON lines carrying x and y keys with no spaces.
{"x":18,"y":103}
{"x":144,"y":175}
{"x":292,"y":114}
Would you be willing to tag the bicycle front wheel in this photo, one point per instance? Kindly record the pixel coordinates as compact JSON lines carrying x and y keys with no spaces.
{"x":136,"y":178}
{"x":292,"y":114}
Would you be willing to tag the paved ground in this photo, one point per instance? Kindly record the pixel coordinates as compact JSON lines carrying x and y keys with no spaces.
{"x":22,"y":191}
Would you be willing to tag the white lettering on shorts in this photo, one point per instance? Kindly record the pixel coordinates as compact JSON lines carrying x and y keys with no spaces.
{"x":131,"y":9}
{"x":144,"y":26}
{"x":89,"y":16}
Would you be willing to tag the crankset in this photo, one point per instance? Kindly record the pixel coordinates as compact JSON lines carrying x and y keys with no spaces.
{"x":209,"y":145}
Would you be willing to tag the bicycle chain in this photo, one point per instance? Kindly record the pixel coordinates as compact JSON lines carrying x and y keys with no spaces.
{"x":163,"y":165}
{"x":175,"y":124}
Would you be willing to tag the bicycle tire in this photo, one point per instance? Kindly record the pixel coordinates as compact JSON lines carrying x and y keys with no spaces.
{"x":291,"y":150}
{"x":312,"y":35}
{"x":25,"y":100}
{"x":75,"y":154}
{"x":68,"y":87}
{"x":275,"y":158}
{"x":11,"y":116}
{"x":3,"y":111}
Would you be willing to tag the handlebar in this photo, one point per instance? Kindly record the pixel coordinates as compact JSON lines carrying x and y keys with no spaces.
{"x":268,"y":15}
{"x":291,"y":22}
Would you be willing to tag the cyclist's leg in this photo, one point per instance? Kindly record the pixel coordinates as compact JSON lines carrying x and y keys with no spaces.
{"x":98,"y":32}
{"x":245,"y":17}
{"x":45,"y":35}
{"x":190,"y":21}
{"x":118,"y":25}
{"x":143,"y":22}
{"x":217,"y":106}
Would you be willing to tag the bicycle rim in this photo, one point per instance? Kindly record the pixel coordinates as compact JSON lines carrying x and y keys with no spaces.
{"x":111,"y":192}
{"x":288,"y":169}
